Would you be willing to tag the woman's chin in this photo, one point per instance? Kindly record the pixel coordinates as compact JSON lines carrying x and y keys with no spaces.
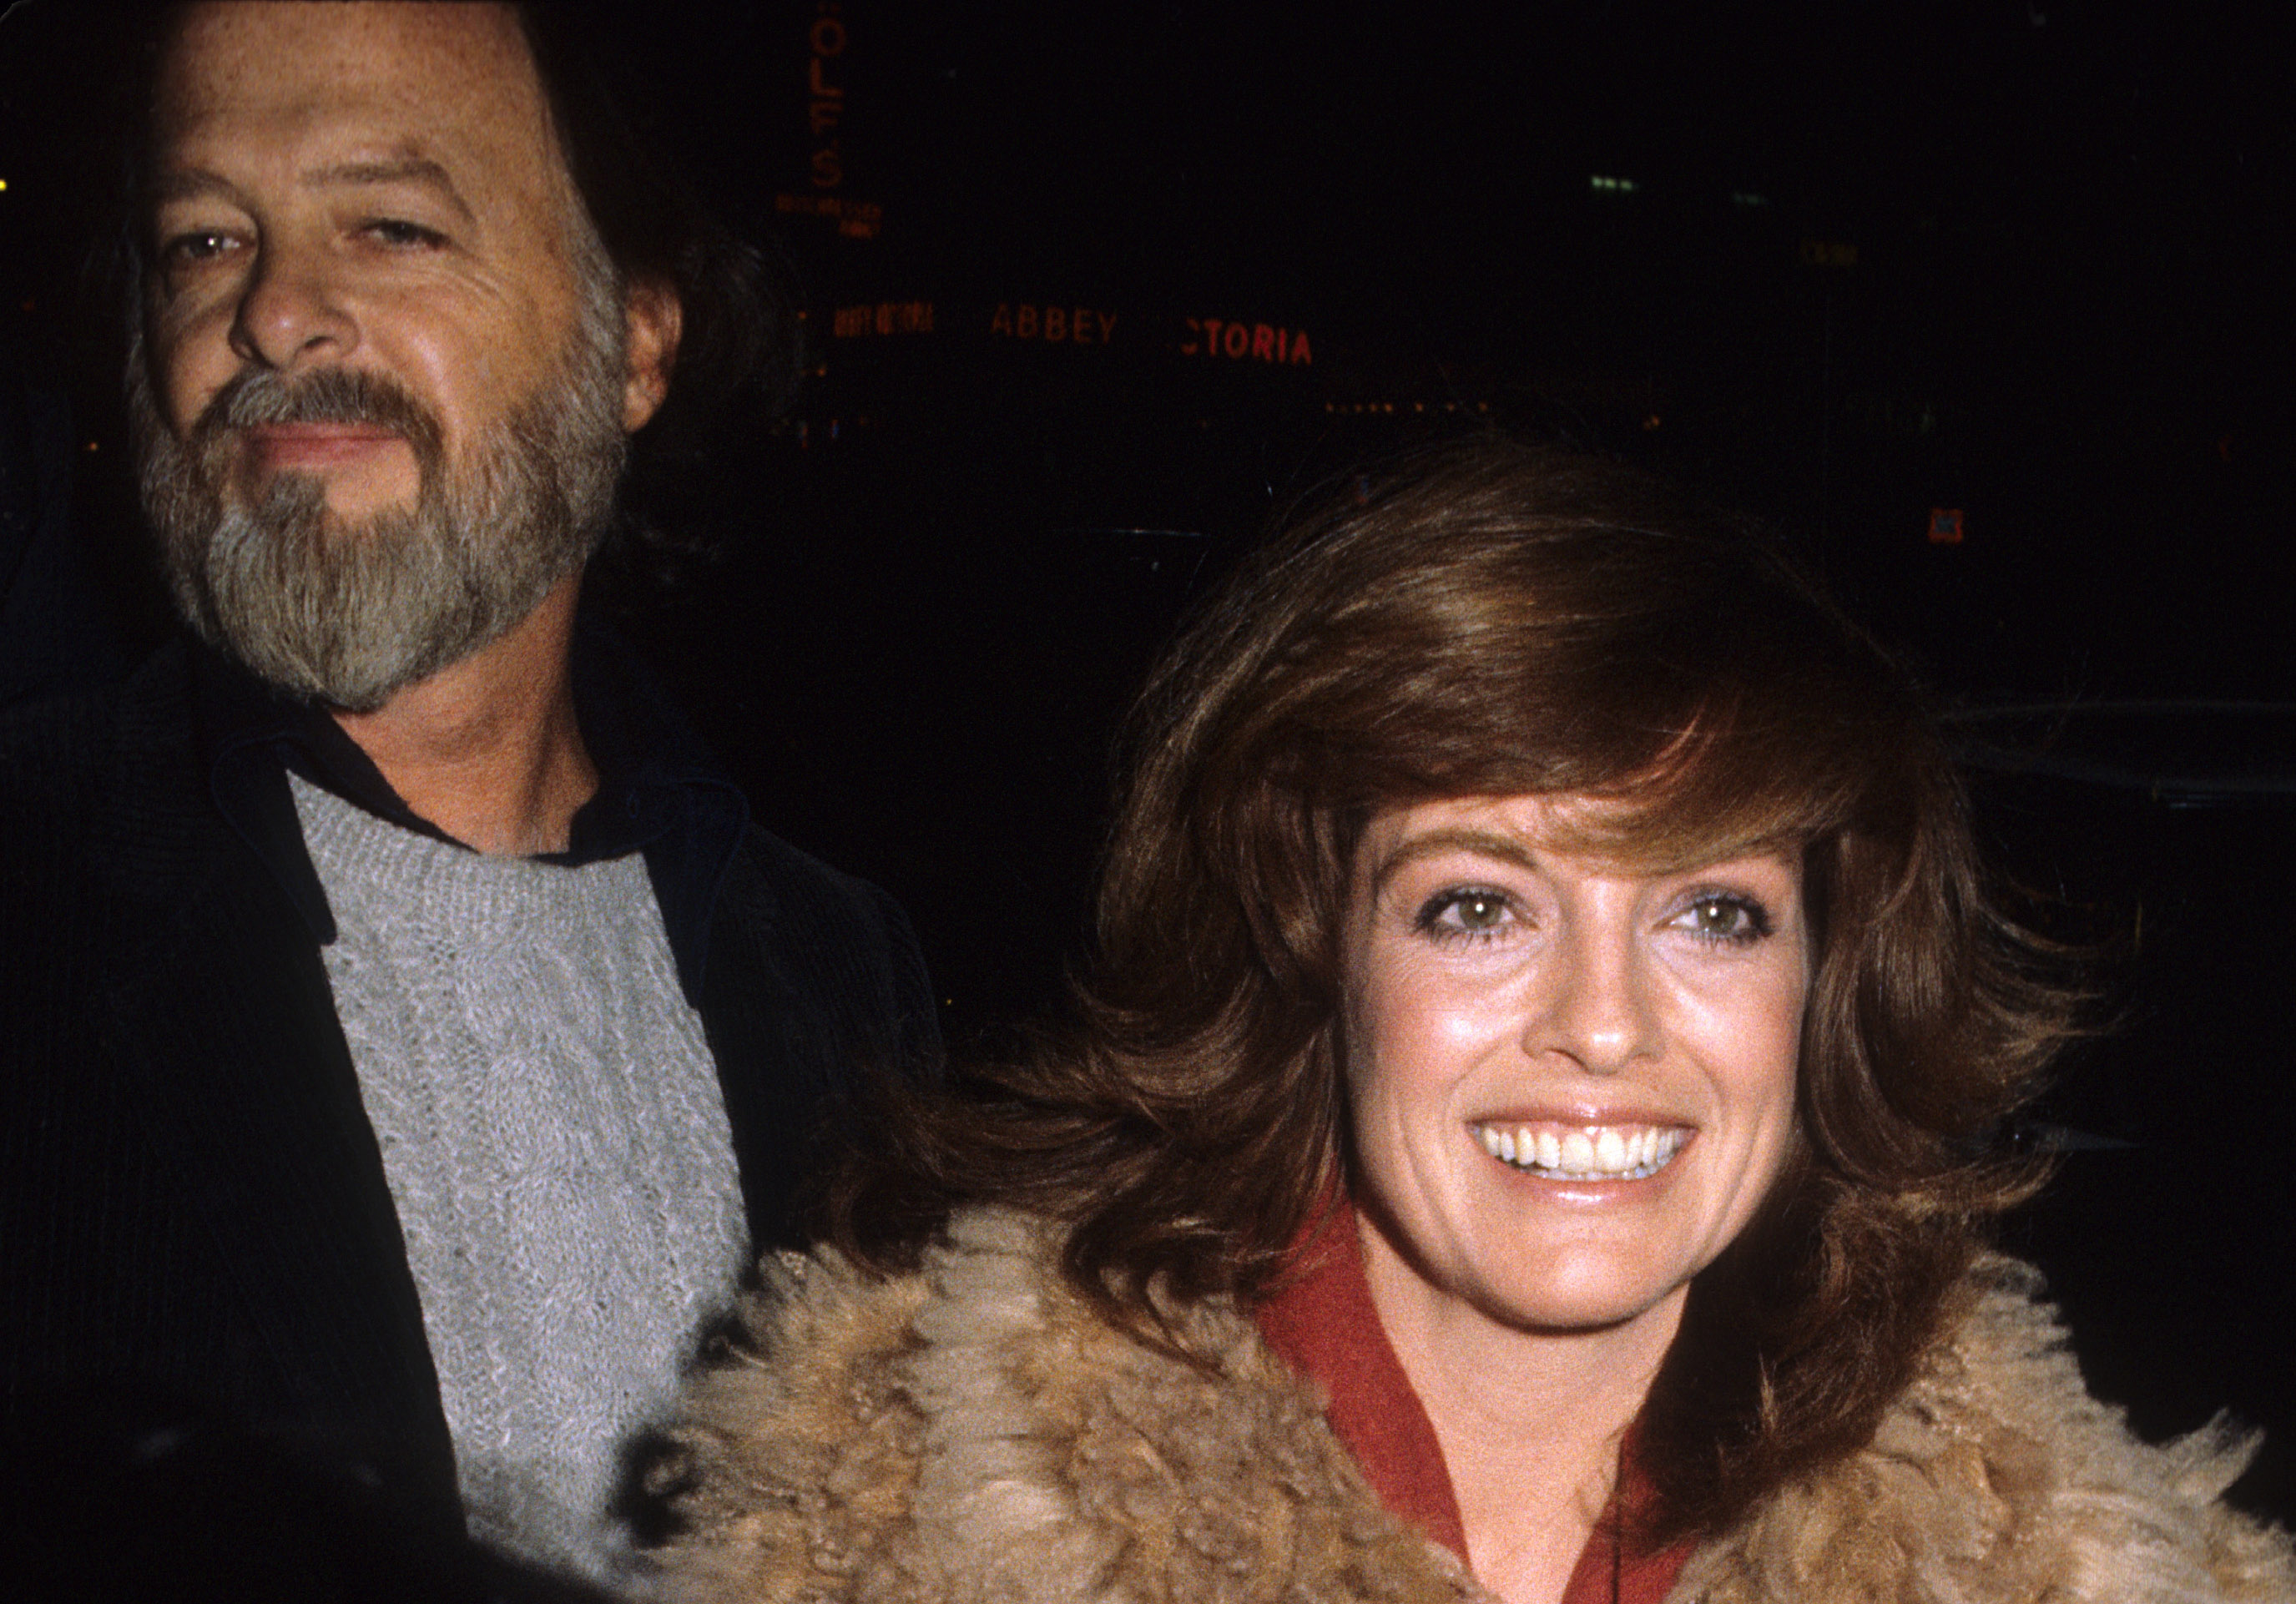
{"x":1589,"y":1299}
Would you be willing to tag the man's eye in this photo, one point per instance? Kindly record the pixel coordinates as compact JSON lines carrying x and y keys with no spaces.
{"x":193,"y":245}
{"x":403,"y":236}
{"x":1465,"y":911}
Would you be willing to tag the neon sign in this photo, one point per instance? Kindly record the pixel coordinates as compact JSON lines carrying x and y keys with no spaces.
{"x":882,"y":317}
{"x":1246,"y":342}
{"x":825,"y":101}
{"x":1055,"y":326}
{"x":855,"y":220}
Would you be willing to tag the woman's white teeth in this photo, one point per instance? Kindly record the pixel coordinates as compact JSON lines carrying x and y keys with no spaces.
{"x":1595,"y":1153}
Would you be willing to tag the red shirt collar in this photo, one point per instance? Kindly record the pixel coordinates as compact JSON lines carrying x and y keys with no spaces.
{"x":1322,"y":1323}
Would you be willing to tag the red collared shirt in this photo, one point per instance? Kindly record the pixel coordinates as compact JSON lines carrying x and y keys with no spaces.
{"x":1323,"y":1326}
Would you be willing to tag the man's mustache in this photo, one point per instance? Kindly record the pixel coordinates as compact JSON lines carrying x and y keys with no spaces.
{"x":255,"y":397}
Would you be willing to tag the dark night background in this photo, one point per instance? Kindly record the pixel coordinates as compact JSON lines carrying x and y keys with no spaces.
{"x":1861,"y":267}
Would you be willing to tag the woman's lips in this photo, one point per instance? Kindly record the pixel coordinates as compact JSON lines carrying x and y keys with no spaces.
{"x":1624,"y":1151}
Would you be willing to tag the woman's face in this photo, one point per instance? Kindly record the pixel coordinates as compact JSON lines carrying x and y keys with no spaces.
{"x":1572,"y":1082}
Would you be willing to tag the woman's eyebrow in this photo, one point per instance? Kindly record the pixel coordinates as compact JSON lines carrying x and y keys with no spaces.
{"x":1434,"y":843}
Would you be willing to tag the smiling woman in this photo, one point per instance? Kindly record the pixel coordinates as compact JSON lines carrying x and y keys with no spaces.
{"x":1622,"y":1042}
{"x":1530,"y":1130}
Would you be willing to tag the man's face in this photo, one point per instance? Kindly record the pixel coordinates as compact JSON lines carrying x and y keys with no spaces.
{"x":383,"y":390}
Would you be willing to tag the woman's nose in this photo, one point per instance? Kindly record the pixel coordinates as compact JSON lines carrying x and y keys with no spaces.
{"x":1598,"y":1011}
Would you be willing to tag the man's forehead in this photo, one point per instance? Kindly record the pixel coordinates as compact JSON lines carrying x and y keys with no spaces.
{"x":436,"y":71}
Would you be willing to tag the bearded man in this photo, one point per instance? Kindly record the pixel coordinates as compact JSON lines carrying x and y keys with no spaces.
{"x":408,"y":1038}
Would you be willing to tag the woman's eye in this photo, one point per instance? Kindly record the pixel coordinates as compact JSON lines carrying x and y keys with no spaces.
{"x":1465,"y":911}
{"x":1727,"y":917}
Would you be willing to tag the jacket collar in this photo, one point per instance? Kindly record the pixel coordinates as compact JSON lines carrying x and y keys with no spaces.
{"x":658,"y":792}
{"x":1030,"y":1451}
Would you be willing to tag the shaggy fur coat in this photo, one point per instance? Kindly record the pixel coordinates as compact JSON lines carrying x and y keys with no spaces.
{"x":973,"y":1434}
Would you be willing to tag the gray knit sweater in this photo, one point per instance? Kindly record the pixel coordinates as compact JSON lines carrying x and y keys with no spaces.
{"x":555,"y":1142}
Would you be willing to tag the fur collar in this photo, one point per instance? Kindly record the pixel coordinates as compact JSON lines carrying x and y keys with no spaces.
{"x":974,"y":1434}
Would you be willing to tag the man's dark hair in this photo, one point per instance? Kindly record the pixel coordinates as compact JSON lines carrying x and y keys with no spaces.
{"x":737,"y":355}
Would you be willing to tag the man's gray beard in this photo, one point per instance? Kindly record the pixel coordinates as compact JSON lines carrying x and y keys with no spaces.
{"x":351,"y":612}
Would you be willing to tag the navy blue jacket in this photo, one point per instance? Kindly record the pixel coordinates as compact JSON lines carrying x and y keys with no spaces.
{"x":190,"y":1200}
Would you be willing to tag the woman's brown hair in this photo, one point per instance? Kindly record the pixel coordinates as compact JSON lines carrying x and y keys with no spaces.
{"x":1499,"y":620}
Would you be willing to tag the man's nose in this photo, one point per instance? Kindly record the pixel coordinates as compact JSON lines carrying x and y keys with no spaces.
{"x":290,"y":311}
{"x":1599,"y":1010}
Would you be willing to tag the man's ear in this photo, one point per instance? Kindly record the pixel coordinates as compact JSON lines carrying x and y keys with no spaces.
{"x":654,"y":319}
